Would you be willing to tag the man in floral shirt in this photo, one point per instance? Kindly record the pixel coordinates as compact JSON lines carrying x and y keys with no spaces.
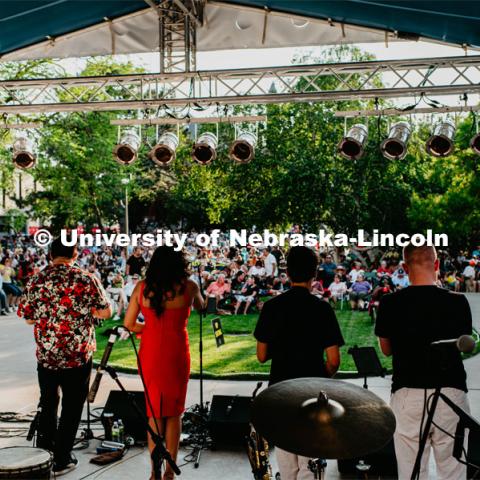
{"x":63,"y":303}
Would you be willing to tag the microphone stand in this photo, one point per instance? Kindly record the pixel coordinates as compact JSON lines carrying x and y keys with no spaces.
{"x":159,"y":452}
{"x":201,"y":440}
{"x":466,"y":421}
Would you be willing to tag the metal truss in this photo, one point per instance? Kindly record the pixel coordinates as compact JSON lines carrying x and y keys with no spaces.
{"x":177,"y":21}
{"x":297,"y":83}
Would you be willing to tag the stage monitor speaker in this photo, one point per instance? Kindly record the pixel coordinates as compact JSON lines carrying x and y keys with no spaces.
{"x":120,"y":405}
{"x":383,"y":464}
{"x":229,"y":420}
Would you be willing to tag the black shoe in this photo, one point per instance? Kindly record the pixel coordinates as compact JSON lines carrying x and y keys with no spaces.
{"x":64,"y":468}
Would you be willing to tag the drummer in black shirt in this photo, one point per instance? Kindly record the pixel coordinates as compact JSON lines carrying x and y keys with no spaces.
{"x":297,"y":330}
{"x":408,"y":322}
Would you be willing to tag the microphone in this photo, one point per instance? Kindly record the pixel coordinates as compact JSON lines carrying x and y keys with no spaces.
{"x":464,"y":344}
{"x":101,"y":368}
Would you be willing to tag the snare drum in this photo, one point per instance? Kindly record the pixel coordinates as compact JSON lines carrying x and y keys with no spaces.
{"x":25,"y":463}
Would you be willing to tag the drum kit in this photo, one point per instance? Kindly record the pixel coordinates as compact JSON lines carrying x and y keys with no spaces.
{"x":312,"y":417}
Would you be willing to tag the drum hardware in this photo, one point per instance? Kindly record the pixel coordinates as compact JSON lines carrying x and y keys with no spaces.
{"x":317,"y":467}
{"x":258,"y":450}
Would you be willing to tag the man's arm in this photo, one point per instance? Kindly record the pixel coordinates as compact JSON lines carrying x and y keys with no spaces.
{"x":333,"y":360}
{"x":262,"y":352}
{"x":383,"y":325}
{"x":385,"y":346}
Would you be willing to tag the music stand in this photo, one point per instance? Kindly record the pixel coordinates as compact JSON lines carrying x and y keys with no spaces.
{"x":367,"y":362}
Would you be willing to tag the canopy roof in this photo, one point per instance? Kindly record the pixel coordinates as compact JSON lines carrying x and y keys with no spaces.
{"x":74,"y":28}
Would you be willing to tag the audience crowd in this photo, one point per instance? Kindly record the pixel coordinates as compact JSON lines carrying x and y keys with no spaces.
{"x":237,"y":280}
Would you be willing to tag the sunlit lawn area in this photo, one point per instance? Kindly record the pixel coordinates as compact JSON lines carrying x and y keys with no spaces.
{"x":237,"y":356}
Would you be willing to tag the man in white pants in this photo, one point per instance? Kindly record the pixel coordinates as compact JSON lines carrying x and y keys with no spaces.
{"x":408,"y":321}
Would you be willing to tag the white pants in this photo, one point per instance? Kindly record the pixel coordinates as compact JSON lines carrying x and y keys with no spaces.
{"x":293,"y":467}
{"x":407,"y":404}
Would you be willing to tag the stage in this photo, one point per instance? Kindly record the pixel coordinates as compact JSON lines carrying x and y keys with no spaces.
{"x":19,"y":393}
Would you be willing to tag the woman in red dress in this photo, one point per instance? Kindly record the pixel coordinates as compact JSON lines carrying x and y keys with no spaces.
{"x":165,"y":299}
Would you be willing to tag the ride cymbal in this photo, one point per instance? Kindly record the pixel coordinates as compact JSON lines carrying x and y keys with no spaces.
{"x":323,"y":418}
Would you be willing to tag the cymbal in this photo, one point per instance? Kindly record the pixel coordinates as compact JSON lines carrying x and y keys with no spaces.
{"x":323,"y":418}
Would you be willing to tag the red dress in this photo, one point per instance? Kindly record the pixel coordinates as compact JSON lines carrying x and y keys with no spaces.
{"x":164,"y":358}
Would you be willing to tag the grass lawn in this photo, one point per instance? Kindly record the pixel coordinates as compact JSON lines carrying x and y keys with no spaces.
{"x":237,"y":356}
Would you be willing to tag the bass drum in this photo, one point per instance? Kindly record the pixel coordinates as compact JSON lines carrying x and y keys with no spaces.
{"x":25,"y":463}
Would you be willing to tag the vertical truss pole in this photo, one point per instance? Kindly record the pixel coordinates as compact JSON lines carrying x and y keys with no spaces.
{"x":177,"y":37}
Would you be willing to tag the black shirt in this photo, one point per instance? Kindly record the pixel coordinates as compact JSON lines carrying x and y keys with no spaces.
{"x":412,"y":319}
{"x":136,"y":265}
{"x":298,"y":327}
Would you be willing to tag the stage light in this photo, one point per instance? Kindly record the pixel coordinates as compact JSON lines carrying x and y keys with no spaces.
{"x":352,"y":146}
{"x":243,"y":148}
{"x":394,"y":147}
{"x":23,"y":156}
{"x":126,"y":151}
{"x":205,"y":148}
{"x":475,"y":144}
{"x":163,"y":153}
{"x":440,"y":144}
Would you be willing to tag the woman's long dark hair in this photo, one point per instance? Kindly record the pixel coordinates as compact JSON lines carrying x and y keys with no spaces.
{"x":167,"y":271}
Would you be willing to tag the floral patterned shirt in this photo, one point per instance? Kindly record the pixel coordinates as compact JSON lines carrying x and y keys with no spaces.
{"x":60,"y":300}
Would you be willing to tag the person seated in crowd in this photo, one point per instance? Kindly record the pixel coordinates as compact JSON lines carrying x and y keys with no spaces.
{"x":238,"y":282}
{"x":337,"y":288}
{"x":400,"y":280}
{"x":452,"y":281}
{"x":130,"y":285}
{"x":383,"y":269}
{"x":12,"y":290}
{"x":257,"y":270}
{"x":341,"y":271}
{"x":357,"y":268}
{"x":327,"y":270}
{"x":117,"y":294}
{"x":469,"y":276}
{"x":248,"y":295}
{"x":359,"y":291}
{"x":219,"y":289}
{"x":317,"y":287}
{"x":385,"y":286}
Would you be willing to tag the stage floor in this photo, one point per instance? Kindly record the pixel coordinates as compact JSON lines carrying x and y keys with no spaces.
{"x":19,"y":393}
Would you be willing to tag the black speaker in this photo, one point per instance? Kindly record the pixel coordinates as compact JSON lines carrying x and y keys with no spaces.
{"x":229,"y":420}
{"x":383,"y":464}
{"x":120,"y":405}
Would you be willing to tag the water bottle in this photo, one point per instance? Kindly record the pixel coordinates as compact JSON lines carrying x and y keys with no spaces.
{"x":121,"y":431}
{"x":115,"y":432}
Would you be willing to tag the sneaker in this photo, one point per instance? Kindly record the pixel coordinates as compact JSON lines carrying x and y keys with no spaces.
{"x":64,"y":468}
{"x":116,"y":318}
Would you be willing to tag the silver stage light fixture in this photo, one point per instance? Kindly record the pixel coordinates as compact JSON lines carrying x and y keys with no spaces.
{"x":23,"y":152}
{"x":242,"y":149}
{"x":205,"y":148}
{"x":475,"y":144}
{"x":352,"y":146}
{"x":394,"y":147}
{"x":164,"y":152}
{"x":440,"y":144}
{"x":126,"y":151}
